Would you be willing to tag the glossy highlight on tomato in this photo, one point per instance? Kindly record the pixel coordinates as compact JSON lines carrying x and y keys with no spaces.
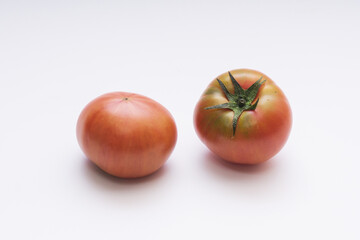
{"x":243,"y":117}
{"x":125,"y":134}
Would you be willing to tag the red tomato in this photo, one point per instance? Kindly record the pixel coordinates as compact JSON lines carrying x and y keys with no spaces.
{"x":126,"y":135}
{"x":243,"y":117}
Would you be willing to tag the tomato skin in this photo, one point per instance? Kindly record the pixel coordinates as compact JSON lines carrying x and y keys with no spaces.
{"x":125,"y":134}
{"x":260,"y":133}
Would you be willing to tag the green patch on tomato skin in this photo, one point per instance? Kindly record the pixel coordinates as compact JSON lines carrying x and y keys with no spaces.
{"x":220,"y":123}
{"x":246,"y":125}
{"x":213,"y":99}
{"x":211,"y":90}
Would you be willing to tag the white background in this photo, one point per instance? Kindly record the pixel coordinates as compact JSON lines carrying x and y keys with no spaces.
{"x":56,"y":56}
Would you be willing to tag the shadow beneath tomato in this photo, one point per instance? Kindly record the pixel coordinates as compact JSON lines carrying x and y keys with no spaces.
{"x":100,"y":177}
{"x":255,"y":183}
{"x":226,"y":170}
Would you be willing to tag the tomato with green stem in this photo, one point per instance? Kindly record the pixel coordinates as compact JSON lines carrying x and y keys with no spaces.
{"x":243,"y":117}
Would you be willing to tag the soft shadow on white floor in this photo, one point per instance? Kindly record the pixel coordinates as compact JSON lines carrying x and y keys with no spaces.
{"x":252,"y":182}
{"x":256,"y":174}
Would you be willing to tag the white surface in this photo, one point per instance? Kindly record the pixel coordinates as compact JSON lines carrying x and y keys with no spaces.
{"x":57,"y":56}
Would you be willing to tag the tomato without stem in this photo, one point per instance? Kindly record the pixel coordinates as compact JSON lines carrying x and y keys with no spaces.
{"x":126,"y":135}
{"x":243,"y":117}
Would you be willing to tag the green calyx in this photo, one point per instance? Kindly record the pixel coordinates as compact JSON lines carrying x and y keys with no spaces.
{"x":240,"y":100}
